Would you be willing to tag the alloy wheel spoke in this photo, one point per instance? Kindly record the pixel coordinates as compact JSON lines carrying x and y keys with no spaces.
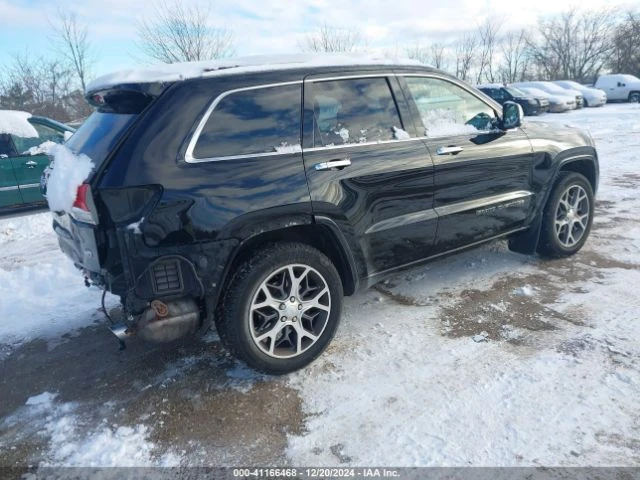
{"x":315,"y":302}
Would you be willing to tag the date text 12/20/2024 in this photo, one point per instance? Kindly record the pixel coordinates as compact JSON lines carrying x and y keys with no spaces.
{"x":286,"y":473}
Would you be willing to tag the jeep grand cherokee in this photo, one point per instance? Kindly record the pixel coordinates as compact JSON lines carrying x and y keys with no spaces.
{"x":255,"y":196}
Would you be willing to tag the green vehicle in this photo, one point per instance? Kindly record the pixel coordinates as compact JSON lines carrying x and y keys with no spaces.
{"x":21,"y":164}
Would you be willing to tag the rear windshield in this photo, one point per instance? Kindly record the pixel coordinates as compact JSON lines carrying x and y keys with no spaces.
{"x":98,"y":135}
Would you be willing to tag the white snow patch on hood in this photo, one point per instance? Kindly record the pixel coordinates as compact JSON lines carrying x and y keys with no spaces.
{"x":68,"y":171}
{"x":15,"y":122}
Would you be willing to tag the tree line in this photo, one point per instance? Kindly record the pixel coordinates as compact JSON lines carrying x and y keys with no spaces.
{"x":576,"y":45}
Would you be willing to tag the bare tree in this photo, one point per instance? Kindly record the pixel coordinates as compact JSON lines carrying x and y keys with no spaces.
{"x":332,"y":39}
{"x":625,"y":57}
{"x":465,"y":53}
{"x":515,"y":56}
{"x":487,"y":40}
{"x":573,"y":45}
{"x":181,"y":33}
{"x":38,"y":85}
{"x":72,"y":43}
{"x":435,"y":54}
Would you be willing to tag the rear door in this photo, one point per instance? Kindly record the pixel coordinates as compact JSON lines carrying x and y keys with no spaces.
{"x":482,"y":174}
{"x":9,"y":191}
{"x":366,"y":168}
{"x":31,"y":161}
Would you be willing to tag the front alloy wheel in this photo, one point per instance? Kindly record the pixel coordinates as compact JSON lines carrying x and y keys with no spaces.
{"x":572,"y":216}
{"x":567,"y":216}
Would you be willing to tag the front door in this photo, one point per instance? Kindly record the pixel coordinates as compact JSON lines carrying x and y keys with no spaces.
{"x":482,"y":173}
{"x":366,"y":170}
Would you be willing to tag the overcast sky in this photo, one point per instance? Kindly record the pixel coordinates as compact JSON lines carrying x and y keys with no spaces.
{"x":271,"y":26}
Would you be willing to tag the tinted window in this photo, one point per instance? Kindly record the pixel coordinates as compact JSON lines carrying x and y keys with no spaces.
{"x":253,"y":121}
{"x":98,"y":135}
{"x":447,"y":109}
{"x":354,"y":111}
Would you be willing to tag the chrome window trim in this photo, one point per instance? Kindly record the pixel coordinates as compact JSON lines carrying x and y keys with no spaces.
{"x":30,"y":185}
{"x":363,"y":144}
{"x":350,"y":77}
{"x":188,"y":156}
{"x":8,"y":189}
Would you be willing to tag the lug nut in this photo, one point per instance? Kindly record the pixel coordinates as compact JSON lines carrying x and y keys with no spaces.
{"x":295,"y":319}
{"x":283,"y":319}
{"x":282,"y":306}
{"x":292,"y":299}
{"x":300,"y":307}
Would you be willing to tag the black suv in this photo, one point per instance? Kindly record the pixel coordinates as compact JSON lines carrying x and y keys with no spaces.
{"x":255,"y":197}
{"x":503,"y":93}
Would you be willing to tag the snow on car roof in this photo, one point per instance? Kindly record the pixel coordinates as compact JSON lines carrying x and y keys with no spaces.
{"x":16,"y":122}
{"x":490,"y":85}
{"x":257,"y":63}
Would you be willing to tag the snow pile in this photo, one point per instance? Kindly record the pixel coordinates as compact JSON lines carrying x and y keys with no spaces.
{"x":443,"y":123}
{"x":400,"y":134}
{"x":16,"y":123}
{"x":525,"y":291}
{"x":285,"y":148}
{"x":106,"y":446}
{"x":68,"y":171}
{"x":45,"y":148}
{"x":45,"y":399}
{"x":344,"y":134}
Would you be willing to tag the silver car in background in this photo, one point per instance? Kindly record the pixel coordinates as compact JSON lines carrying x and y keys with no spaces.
{"x":557,"y":103}
{"x":593,"y":97}
{"x":554,"y":89}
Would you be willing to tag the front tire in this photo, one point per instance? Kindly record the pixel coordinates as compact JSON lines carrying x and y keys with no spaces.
{"x":282,"y":308}
{"x":567,"y":216}
{"x":634,"y":97}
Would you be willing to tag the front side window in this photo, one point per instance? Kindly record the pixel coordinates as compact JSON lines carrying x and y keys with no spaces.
{"x":248,"y":122}
{"x":353,"y":111}
{"x":447,"y":109}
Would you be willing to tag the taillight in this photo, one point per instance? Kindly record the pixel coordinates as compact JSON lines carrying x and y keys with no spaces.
{"x":83,"y":208}
{"x":81,"y":197}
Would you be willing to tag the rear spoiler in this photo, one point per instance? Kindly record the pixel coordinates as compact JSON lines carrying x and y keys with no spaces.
{"x":126,"y":98}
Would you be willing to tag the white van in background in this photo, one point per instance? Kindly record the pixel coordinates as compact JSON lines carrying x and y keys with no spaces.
{"x":620,"y":87}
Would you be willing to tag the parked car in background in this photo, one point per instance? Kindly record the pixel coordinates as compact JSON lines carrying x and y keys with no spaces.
{"x":554,"y":89}
{"x":593,"y":97}
{"x":502,"y":93}
{"x":21,"y":163}
{"x":620,"y":87}
{"x":557,"y":103}
{"x":289,"y":182}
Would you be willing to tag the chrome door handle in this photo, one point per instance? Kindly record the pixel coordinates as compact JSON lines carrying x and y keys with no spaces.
{"x":340,"y":164}
{"x":448,"y":150}
{"x":30,"y":164}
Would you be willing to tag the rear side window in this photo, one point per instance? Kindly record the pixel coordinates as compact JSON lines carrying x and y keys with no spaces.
{"x":354,"y":111}
{"x":249,"y":122}
{"x":99,"y":134}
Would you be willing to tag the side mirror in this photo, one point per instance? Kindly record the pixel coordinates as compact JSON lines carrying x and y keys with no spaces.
{"x":511,"y":115}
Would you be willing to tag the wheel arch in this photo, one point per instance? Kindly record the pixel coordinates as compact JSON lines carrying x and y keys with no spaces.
{"x":321,"y":235}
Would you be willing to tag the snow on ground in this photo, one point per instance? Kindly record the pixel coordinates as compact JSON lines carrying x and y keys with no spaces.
{"x":483,"y":358}
{"x":42,"y":295}
{"x":393,"y":390}
{"x":72,"y":444}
